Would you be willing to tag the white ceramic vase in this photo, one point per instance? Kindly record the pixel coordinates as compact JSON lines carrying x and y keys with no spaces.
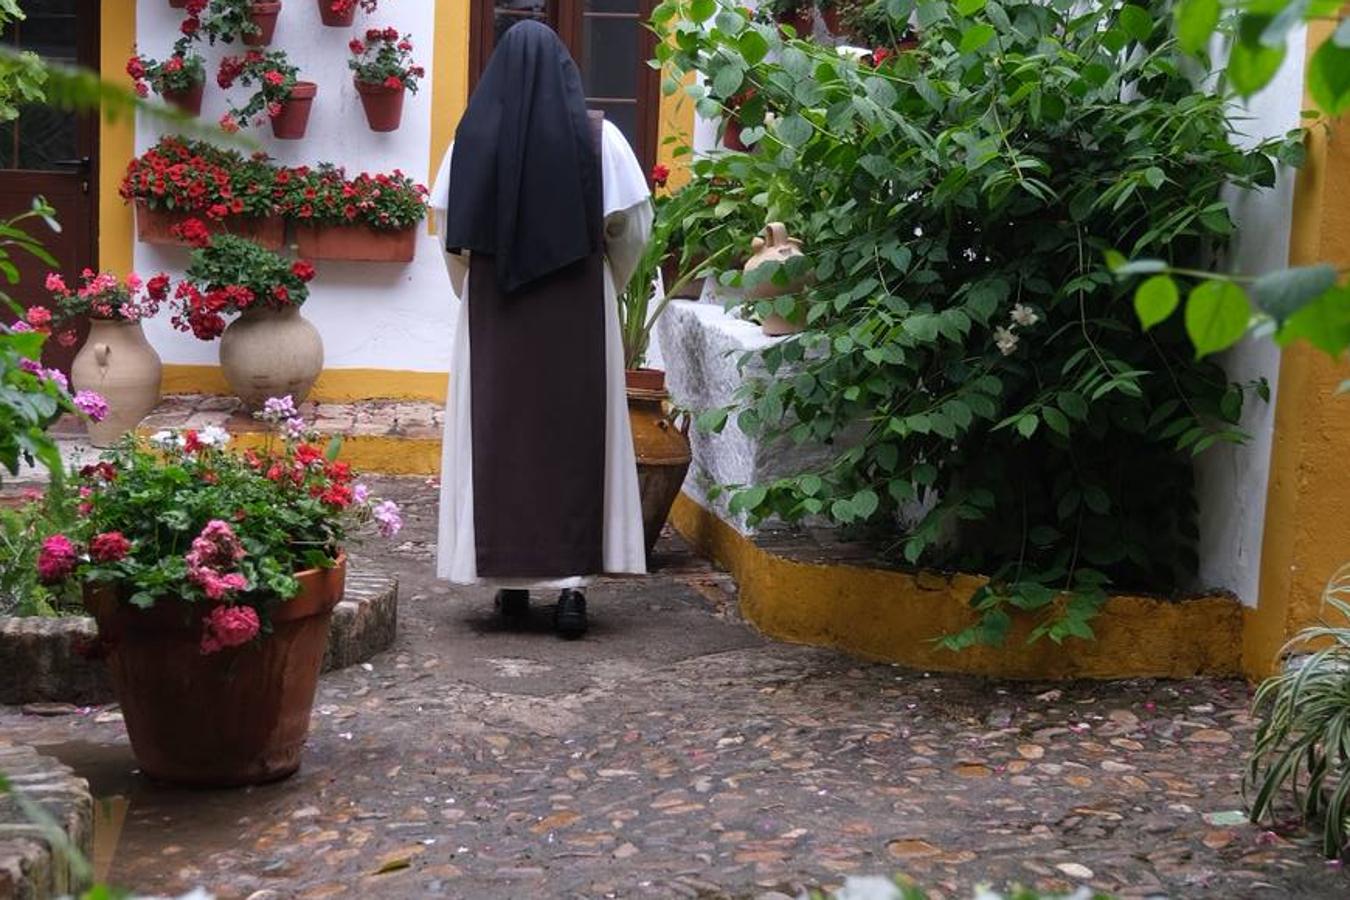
{"x":118,"y":363}
{"x":271,"y":353}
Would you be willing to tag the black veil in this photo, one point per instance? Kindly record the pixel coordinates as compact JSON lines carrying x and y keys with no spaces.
{"x":525,"y":175}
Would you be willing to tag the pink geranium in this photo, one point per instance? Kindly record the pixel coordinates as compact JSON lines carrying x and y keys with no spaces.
{"x":56,"y":560}
{"x":229,"y":626}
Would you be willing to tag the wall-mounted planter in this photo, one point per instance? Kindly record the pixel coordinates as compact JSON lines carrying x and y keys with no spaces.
{"x":188,"y":101}
{"x":356,"y":242}
{"x":155,"y":226}
{"x":336,"y":19}
{"x":293,"y":120}
{"x":264,"y":17}
{"x":383,"y":105}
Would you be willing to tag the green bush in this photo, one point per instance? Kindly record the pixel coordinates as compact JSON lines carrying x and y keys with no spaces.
{"x":957,"y":202}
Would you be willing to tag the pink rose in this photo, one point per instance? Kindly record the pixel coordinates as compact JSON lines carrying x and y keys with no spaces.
{"x":229,"y":626}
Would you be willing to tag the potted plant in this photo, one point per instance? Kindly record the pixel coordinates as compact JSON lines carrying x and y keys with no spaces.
{"x":180,"y":79}
{"x":384,"y":72}
{"x":253,"y":22}
{"x":212,"y":576}
{"x":372,"y":218}
{"x":341,"y":13}
{"x":270,"y":350}
{"x":868,"y":23}
{"x":660,"y":442}
{"x":279,"y":96}
{"x":178,"y":179}
{"x":116,"y":361}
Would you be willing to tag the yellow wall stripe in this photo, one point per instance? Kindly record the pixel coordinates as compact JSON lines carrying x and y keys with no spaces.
{"x":117,"y":138}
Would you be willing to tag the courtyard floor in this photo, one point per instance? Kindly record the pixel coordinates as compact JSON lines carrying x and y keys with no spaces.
{"x":675,"y":752}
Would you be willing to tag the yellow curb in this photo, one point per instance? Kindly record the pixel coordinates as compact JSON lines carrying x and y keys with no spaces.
{"x":895,"y":617}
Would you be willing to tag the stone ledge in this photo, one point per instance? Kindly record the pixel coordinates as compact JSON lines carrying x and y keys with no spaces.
{"x":895,"y":616}
{"x":43,"y":660}
{"x":30,"y":868}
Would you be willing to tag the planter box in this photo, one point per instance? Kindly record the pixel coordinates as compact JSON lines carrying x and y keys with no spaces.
{"x":356,"y":242}
{"x":155,"y":226}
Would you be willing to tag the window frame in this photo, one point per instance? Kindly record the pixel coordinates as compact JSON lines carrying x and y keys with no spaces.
{"x":566,"y":16}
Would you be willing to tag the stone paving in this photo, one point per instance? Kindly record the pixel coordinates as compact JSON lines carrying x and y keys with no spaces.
{"x":675,"y":753}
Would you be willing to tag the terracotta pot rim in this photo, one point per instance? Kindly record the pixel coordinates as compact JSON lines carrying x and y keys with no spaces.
{"x":339,"y":562}
{"x":376,"y":87}
{"x":201,"y":82}
{"x":303,"y":90}
{"x":265,"y":6}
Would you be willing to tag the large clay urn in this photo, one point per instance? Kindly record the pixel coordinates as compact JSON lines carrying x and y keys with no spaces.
{"x":774,"y":246}
{"x":661,"y":444}
{"x":271,"y":353}
{"x":236,"y":717}
{"x":118,"y":363}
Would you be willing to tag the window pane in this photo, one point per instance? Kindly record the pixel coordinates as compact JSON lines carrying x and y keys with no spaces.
{"x":612,"y":6}
{"x":610,"y":65}
{"x":624,"y":115}
{"x":506,"y":20}
{"x":41,"y":135}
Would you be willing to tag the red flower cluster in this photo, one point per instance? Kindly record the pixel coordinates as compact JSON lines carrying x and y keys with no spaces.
{"x":203,"y":312}
{"x":184,"y":176}
{"x":385,"y":57}
{"x":192,"y":232}
{"x":109,"y":547}
{"x":325,"y":195}
{"x":660,"y":175}
{"x":231,"y":67}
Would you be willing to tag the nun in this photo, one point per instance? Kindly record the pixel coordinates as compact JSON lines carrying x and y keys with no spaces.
{"x":543,"y":212}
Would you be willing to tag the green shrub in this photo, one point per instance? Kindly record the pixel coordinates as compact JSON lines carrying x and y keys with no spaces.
{"x":957,"y":202}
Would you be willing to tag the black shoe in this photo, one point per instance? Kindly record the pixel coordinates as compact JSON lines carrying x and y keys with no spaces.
{"x":570,"y":618}
{"x":513,"y":605}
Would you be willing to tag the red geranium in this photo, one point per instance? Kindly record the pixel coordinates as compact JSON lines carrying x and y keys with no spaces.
{"x":109,"y":547}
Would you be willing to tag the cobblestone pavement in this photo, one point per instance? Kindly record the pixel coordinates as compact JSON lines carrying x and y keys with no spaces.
{"x":675,"y":753}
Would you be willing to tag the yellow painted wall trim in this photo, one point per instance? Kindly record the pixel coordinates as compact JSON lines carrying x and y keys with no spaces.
{"x":333,"y":386}
{"x":1306,"y":537}
{"x":449,"y":77}
{"x":894,"y":617}
{"x":117,"y":139}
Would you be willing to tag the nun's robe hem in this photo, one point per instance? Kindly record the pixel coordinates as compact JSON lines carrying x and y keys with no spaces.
{"x":628,"y":217}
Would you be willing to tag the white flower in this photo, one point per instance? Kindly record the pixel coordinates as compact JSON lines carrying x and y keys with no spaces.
{"x":214,"y":436}
{"x":872,"y":887}
{"x":1024,"y":315}
{"x":167,"y":440}
{"x":1005,"y":340}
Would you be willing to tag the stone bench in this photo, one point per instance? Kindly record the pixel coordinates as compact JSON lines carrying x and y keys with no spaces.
{"x":31,"y":868}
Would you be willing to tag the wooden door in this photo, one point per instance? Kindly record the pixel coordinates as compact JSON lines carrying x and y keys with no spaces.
{"x":52,"y":153}
{"x":611,"y":44}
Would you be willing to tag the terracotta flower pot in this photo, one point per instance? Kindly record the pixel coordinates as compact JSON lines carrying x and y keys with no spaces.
{"x":264,"y":15}
{"x":356,"y":242}
{"x":336,"y":19}
{"x":189,"y":101}
{"x":662,"y":448}
{"x":731,"y":135}
{"x":383,"y":105}
{"x":155,"y":226}
{"x":271,"y":353}
{"x":119,"y":363}
{"x":290,"y":124}
{"x":226,"y":719}
{"x":178,"y":4}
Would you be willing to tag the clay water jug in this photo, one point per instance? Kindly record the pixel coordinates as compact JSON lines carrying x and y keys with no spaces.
{"x":774,"y":245}
{"x":118,"y":363}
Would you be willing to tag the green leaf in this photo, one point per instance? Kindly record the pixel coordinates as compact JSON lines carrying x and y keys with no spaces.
{"x":1056,"y":420}
{"x":702,"y":10}
{"x":1137,"y":23}
{"x":753,"y":46}
{"x":1329,"y":77}
{"x":1026,"y":426}
{"x":970,"y":7}
{"x":1196,"y":20}
{"x":728,"y":81}
{"x":976,"y":37}
{"x":865,"y":503}
{"x":1324,"y":323}
{"x":1282,"y":293}
{"x":1155,"y":300}
{"x":794,"y":130}
{"x":1217,"y":314}
{"x":1073,"y":404}
{"x":1251,"y":64}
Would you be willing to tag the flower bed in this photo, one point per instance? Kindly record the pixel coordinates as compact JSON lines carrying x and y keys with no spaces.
{"x":371,"y":217}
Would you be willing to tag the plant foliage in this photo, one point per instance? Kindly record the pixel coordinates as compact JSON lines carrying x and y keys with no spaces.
{"x":956,"y":203}
{"x":1302,"y":749}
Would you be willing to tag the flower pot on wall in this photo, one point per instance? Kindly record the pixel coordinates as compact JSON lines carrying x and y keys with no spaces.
{"x":356,"y":242}
{"x":188,"y":101}
{"x":336,"y":19}
{"x":118,"y":363}
{"x":291,"y":123}
{"x":178,"y":4}
{"x":661,"y":446}
{"x":155,"y":226}
{"x":264,"y":16}
{"x":383,"y":105}
{"x":236,"y":717}
{"x":271,"y":353}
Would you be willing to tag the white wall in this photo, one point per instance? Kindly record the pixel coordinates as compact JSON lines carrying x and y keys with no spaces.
{"x":386,"y":316}
{"x":1232,"y":480}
